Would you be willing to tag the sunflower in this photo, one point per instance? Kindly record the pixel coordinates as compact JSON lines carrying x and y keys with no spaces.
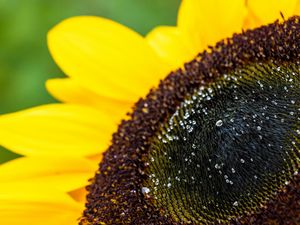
{"x":109,"y":68}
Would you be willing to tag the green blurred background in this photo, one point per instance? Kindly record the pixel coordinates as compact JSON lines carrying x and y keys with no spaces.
{"x":25,"y":63}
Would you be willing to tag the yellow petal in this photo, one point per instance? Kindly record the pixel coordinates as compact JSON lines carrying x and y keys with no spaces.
{"x":34,"y":167}
{"x":70,"y":91}
{"x":172,"y":45}
{"x":268,"y":12}
{"x":297,"y":8}
{"x":251,"y":21}
{"x":79,"y":194}
{"x":106,"y":57}
{"x":26,"y":191}
{"x":57,"y":129}
{"x":62,"y":173}
{"x":36,"y":213}
{"x":64,"y":182}
{"x":210,"y":21}
{"x":29,"y":203}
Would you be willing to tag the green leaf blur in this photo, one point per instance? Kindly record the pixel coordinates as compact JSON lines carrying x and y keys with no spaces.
{"x":25,"y":63}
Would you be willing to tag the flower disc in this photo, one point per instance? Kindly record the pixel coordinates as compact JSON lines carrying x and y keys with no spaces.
{"x":229,"y":147}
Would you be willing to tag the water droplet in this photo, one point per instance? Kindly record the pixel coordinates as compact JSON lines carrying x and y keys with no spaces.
{"x":145,"y":190}
{"x":219,"y":123}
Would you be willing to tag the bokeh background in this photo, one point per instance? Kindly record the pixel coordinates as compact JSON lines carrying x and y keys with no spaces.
{"x":25,"y":63}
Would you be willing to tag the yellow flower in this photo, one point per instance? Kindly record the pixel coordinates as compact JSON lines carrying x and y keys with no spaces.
{"x":109,"y":67}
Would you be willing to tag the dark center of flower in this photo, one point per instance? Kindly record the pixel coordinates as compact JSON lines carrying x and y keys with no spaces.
{"x":229,"y":147}
{"x":215,"y":142}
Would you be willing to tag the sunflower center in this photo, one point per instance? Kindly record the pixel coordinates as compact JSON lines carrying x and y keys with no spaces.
{"x":229,"y":147}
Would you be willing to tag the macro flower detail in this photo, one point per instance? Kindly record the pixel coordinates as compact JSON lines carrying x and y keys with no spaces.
{"x":215,"y":140}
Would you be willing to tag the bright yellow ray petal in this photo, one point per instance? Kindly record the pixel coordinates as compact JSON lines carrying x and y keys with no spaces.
{"x":297,"y":8}
{"x":64,"y":174}
{"x":172,"y":45}
{"x":251,"y":21}
{"x":61,"y":183}
{"x":38,"y":192}
{"x":268,"y":12}
{"x":36,"y":213}
{"x":210,"y":21}
{"x":35,"y":167}
{"x":31,"y":203}
{"x":57,"y":129}
{"x":106,"y":57}
{"x":70,"y":91}
{"x":79,"y":194}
